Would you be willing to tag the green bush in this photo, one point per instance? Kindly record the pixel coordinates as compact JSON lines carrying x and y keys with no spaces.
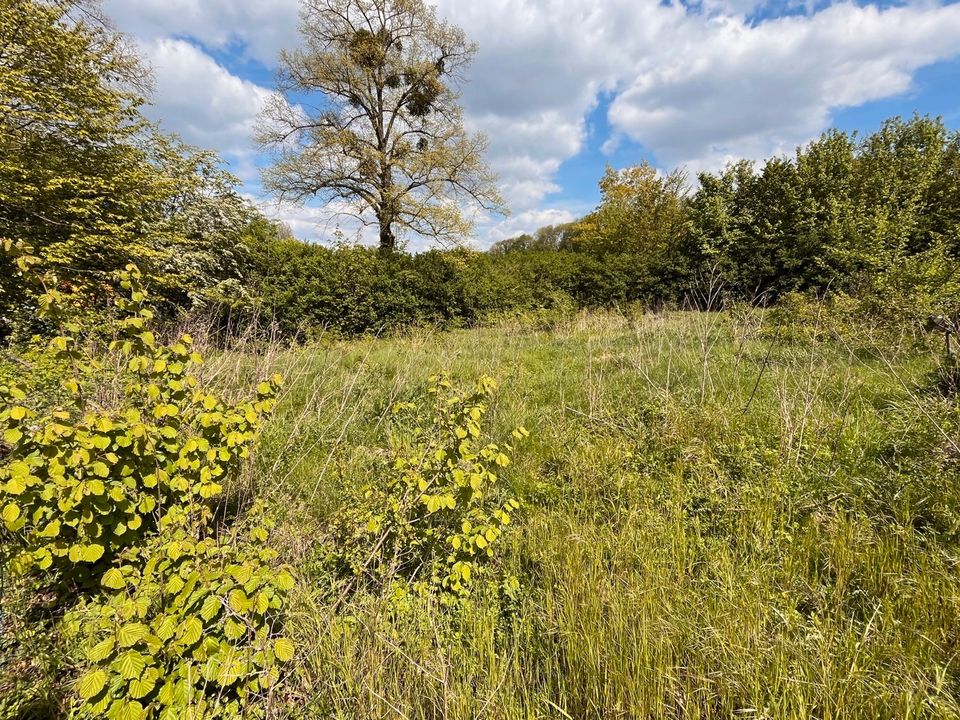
{"x":431,"y":523}
{"x":185,"y":627}
{"x":82,"y":482}
{"x":110,"y":494}
{"x":309,"y":290}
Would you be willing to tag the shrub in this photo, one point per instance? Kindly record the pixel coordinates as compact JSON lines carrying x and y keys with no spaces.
{"x":82,"y":483}
{"x":110,"y":494}
{"x":186,"y":627}
{"x":432,"y":523}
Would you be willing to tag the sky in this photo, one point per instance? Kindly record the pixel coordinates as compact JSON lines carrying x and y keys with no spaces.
{"x":564,"y":88}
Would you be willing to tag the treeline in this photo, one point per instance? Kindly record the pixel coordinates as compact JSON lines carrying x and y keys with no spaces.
{"x":839,"y":214}
{"x":876,"y":219}
{"x":310,"y":289}
{"x":88,"y":186}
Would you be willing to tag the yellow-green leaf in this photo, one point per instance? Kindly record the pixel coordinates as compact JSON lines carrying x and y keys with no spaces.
{"x":285,"y":581}
{"x":113,"y":579}
{"x":283,"y":649}
{"x":130,"y":664}
{"x":192,"y":631}
{"x":130,"y":710}
{"x":142,"y":686}
{"x":131,"y":634}
{"x":92,"y":553}
{"x":101,"y":651}
{"x":11,"y":513}
{"x":239,"y":602}
{"x":91,"y":684}
{"x":211,"y":608}
{"x":234,"y":630}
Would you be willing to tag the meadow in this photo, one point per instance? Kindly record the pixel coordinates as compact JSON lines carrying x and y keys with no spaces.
{"x":719,"y":519}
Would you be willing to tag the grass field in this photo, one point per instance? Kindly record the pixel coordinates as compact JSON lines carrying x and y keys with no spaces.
{"x":716,"y":523}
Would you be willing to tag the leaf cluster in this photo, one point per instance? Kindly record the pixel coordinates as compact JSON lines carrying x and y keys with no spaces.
{"x":433,"y":521}
{"x":185,"y":627}
{"x":112,"y":499}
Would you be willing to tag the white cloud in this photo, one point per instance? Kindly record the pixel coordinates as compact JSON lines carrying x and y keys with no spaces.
{"x":202,"y":101}
{"x":695,"y":85}
{"x":756,"y":90}
{"x":527,"y":222}
{"x":260,"y":28}
{"x":328,"y":225}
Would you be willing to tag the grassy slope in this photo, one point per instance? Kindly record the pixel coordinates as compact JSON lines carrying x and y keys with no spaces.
{"x":685,"y":550}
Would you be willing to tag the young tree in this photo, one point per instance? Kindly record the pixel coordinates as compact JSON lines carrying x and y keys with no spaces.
{"x":640,"y":212}
{"x":386,"y":139}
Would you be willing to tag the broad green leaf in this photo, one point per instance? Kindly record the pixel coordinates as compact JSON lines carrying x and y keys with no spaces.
{"x":16,"y":485}
{"x":130,"y":710}
{"x":234,"y":630}
{"x":191,"y":631}
{"x":113,"y":579}
{"x":166,"y":628}
{"x":240,"y":573}
{"x":284,"y":581}
{"x":91,"y":684}
{"x":130,"y":664}
{"x":92,"y":553}
{"x":101,"y":651}
{"x":284,"y":649}
{"x":211,"y":608}
{"x":11,"y":513}
{"x":131,"y":634}
{"x":239,"y":602}
{"x":142,"y":686}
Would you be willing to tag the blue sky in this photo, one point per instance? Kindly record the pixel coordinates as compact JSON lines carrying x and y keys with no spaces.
{"x":565,"y":87}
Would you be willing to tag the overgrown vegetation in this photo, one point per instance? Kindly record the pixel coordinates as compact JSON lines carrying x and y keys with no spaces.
{"x":747,"y":508}
{"x":106,"y":500}
{"x":872,"y":221}
{"x":719,"y":518}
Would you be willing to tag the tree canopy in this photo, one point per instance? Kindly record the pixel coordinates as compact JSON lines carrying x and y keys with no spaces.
{"x":367,"y":119}
{"x":86,"y":181}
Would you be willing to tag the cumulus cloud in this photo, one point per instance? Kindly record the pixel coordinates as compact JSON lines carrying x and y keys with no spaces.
{"x":755,"y":90}
{"x":694,"y":84}
{"x":258,"y":29}
{"x":201,"y":100}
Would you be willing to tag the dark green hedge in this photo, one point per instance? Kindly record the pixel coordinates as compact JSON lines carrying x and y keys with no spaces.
{"x":309,"y":289}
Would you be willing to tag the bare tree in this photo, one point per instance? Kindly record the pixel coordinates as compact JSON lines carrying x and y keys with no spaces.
{"x":367,"y":116}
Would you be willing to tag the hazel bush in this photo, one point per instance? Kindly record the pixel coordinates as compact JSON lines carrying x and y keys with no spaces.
{"x":434,"y":520}
{"x":110,"y":495}
{"x":82,"y":482}
{"x":186,"y":627}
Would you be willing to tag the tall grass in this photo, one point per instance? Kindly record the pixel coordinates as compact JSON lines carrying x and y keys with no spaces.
{"x":718,"y":523}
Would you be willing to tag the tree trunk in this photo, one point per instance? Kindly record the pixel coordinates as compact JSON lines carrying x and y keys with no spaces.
{"x":388,"y":241}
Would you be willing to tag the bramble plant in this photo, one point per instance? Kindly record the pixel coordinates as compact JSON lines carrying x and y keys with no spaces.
{"x":436,"y":518}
